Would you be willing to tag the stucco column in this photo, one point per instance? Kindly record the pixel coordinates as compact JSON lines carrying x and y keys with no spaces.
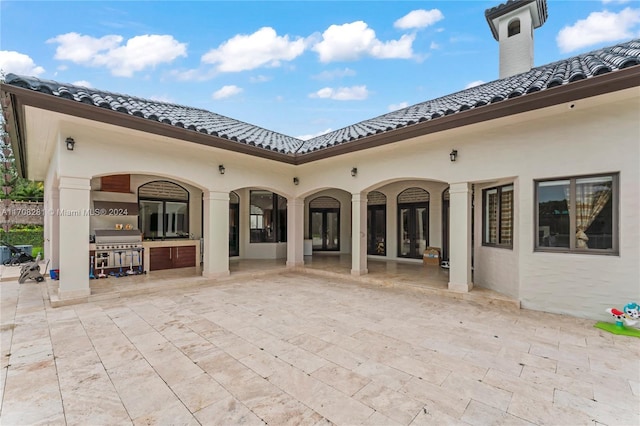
{"x":295,"y":232}
{"x":216,"y":234}
{"x":54,"y":221}
{"x":46,"y":222}
{"x":358,"y":234}
{"x":73,"y":246}
{"x":460,"y":237}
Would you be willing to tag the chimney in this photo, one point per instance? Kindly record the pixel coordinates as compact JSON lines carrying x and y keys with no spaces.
{"x":512,"y":25}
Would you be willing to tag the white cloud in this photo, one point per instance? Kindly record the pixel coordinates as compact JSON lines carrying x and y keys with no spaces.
{"x":307,"y":137}
{"x":354,"y":93}
{"x":246,"y":52}
{"x":419,"y":19}
{"x":599,"y":27}
{"x":335,"y":74}
{"x":259,"y":79}
{"x":474,"y":84}
{"x":226,"y":92}
{"x":82,"y":83}
{"x":18,"y":63}
{"x":197,"y":74}
{"x":352,"y":41}
{"x":434,"y":45}
{"x":615,"y":1}
{"x":137,"y":54}
{"x":395,"y":107}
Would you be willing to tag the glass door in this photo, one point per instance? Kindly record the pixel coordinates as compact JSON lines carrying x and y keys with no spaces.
{"x":377,"y":230}
{"x":325,"y":229}
{"x":413,"y":230}
{"x":234,"y":229}
{"x":445,"y":225}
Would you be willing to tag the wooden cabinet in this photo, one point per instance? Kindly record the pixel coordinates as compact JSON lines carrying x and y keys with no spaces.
{"x":160,"y":258}
{"x":184,"y":256}
{"x":172,"y":257}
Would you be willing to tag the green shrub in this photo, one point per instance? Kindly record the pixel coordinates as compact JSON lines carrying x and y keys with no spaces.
{"x":18,"y":237}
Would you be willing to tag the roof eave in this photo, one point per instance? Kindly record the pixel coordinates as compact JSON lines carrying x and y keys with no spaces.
{"x":594,"y":86}
{"x":15,"y":129}
{"x":599,"y":85}
{"x":25,"y":97}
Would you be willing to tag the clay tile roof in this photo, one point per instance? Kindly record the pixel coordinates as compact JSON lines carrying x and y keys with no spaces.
{"x":194,"y":119}
{"x":541,"y":78}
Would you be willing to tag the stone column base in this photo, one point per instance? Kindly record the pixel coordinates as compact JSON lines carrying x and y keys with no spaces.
{"x":73,"y":294}
{"x":359,"y":272}
{"x":215,"y":275}
{"x":460,"y":287}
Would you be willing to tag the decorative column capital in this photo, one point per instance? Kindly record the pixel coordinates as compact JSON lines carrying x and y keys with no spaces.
{"x":216,"y":196}
{"x":459,"y":188}
{"x":71,"y":182}
{"x":359,"y":197}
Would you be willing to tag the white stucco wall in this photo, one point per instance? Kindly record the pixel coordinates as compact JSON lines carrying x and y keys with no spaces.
{"x":516,"y":52}
{"x":496,"y":268}
{"x":594,"y":135}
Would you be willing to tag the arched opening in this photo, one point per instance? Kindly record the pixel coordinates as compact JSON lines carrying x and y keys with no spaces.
{"x":324,"y":224}
{"x":513,"y":28}
{"x":267,"y":217}
{"x":376,"y":223}
{"x":163,"y":210}
{"x":413,"y":222}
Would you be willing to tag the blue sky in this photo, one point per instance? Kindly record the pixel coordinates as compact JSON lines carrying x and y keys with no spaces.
{"x":297,"y":67}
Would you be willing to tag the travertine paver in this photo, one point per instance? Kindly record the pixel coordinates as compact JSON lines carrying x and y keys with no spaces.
{"x":295,"y":349}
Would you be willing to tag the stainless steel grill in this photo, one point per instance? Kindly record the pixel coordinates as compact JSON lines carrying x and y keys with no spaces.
{"x":111,"y":239}
{"x":118,"y":248}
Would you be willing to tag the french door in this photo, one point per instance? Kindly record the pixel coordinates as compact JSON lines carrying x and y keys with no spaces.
{"x":234,"y":229}
{"x":413,"y":230}
{"x":445,"y":225}
{"x":377,"y":230}
{"x":325,"y":229}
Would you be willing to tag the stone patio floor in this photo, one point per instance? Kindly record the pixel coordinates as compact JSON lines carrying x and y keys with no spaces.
{"x":295,"y":348}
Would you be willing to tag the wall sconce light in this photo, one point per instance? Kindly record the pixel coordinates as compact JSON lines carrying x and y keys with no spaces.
{"x":453,"y":155}
{"x":70,"y":144}
{"x":354,"y":171}
{"x":221,"y":169}
{"x":296,"y":181}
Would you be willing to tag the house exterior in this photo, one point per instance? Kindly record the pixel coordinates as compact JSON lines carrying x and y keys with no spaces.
{"x":529,"y":185}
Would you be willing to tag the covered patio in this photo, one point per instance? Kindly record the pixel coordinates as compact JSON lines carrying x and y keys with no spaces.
{"x":416,"y":276}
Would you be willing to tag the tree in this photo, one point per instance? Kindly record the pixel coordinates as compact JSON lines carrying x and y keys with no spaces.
{"x":13,"y":186}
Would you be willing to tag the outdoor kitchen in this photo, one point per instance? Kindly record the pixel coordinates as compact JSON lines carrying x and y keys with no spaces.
{"x":140,"y":224}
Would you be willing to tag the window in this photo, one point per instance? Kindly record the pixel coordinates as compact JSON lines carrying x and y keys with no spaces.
{"x":577,"y":214}
{"x":164,"y":210}
{"x":513,"y":28}
{"x":268,"y":217}
{"x":497,"y":216}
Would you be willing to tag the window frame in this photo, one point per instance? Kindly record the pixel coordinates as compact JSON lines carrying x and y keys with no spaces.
{"x":164,"y":201}
{"x":615,"y":216}
{"x":514,"y":27}
{"x":485,"y":219}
